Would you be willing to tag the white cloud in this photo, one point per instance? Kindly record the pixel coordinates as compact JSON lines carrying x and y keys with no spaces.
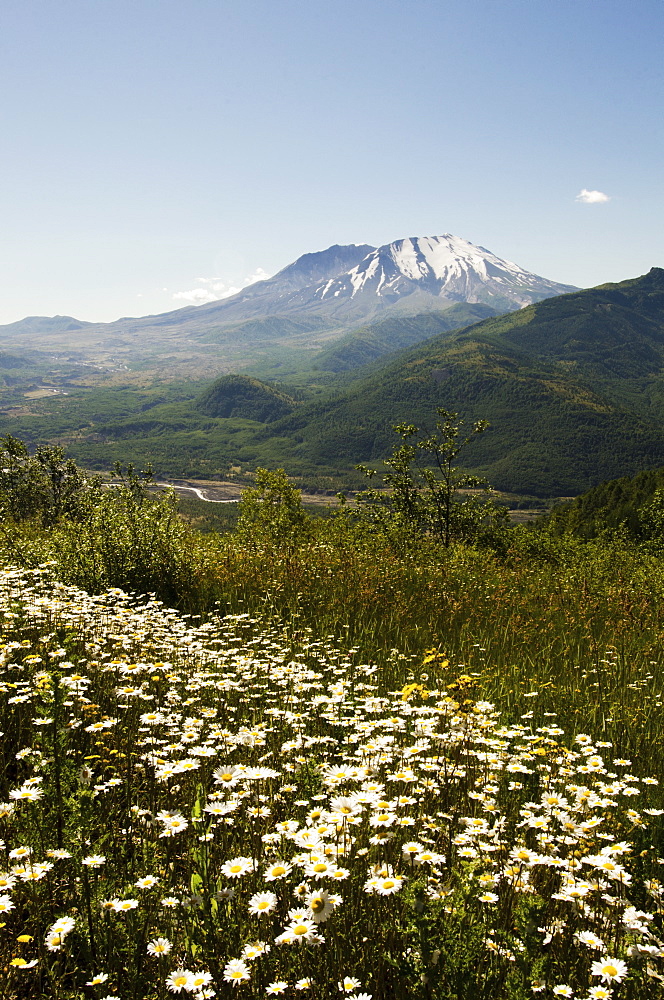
{"x":196,"y":296}
{"x":213,"y":289}
{"x":591,"y":197}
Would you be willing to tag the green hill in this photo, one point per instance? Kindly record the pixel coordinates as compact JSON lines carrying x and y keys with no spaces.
{"x":266,"y":329}
{"x":573,"y":387}
{"x":386,"y":336}
{"x":610,"y":332}
{"x":244,"y":397}
{"x":9,"y":360}
{"x":610,"y":505}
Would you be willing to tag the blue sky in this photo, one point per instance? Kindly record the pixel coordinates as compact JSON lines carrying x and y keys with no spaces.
{"x":159,"y":152}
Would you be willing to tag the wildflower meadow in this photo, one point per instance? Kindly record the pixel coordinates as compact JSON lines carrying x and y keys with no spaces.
{"x":238,"y":806}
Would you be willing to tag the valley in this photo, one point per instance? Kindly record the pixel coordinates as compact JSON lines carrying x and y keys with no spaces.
{"x":281,"y":376}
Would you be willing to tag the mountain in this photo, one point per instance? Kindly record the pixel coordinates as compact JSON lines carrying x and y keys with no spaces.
{"x":306,"y":307}
{"x":353,"y":284}
{"x":263,"y":299}
{"x":444,"y":268}
{"x":43,"y":325}
{"x":573,"y":388}
{"x":288,"y":291}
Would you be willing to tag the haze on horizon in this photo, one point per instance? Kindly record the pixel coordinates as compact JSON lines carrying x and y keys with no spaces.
{"x":164,"y":153}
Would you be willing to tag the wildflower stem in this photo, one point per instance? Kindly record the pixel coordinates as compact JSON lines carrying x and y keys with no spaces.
{"x":56,"y":759}
{"x":88,"y":912}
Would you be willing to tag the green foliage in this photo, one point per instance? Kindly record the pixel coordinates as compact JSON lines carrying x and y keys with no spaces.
{"x":133,"y":540}
{"x":628,"y":505}
{"x":271,"y":513}
{"x":422,"y":493}
{"x":99,"y":535}
{"x":208,"y":517}
{"x":540,"y":615}
{"x":44,"y":487}
{"x":651,"y":522}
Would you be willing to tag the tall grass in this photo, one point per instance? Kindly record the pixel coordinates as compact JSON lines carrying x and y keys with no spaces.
{"x":581,"y":623}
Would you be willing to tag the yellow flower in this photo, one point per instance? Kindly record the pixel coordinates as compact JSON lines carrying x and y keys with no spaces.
{"x":411,"y":689}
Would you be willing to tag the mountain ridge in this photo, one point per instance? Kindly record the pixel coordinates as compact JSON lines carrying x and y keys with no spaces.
{"x":346,"y":284}
{"x":563,"y":417}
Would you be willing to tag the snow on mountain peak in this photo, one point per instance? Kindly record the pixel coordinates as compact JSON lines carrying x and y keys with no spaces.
{"x":444,"y":257}
{"x":447,"y":267}
{"x":354,"y":283}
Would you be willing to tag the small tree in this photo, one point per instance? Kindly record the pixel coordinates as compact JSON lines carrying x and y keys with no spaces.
{"x":651,"y":523}
{"x":423,"y":487}
{"x":45,"y":486}
{"x":271,"y":513}
{"x":133,"y":541}
{"x":99,"y":535}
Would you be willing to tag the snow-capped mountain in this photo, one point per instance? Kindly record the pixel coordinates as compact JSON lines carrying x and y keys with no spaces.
{"x":447,"y":267}
{"x":333,"y":290}
{"x":355,"y":283}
